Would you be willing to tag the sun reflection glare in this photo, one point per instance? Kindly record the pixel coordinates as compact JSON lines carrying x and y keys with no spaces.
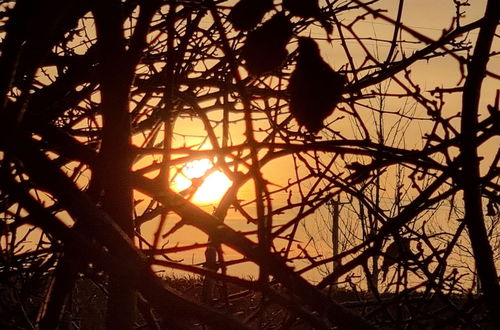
{"x":201,"y":190}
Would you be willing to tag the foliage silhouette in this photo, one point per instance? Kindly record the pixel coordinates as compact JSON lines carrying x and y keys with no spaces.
{"x":265,"y":47}
{"x":315,"y":88}
{"x":246,"y":14}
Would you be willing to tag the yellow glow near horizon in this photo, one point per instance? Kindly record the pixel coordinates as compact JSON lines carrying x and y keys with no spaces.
{"x":211,"y":189}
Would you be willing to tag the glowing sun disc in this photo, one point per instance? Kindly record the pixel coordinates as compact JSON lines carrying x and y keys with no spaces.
{"x":213,"y":187}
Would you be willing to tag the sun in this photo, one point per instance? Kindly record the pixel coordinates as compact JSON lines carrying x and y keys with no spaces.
{"x":195,"y":182}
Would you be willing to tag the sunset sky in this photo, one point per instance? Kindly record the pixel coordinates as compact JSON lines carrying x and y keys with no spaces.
{"x":429,"y":18}
{"x":191,"y":143}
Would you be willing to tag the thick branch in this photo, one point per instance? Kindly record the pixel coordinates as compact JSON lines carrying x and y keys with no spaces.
{"x":474,"y":217}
